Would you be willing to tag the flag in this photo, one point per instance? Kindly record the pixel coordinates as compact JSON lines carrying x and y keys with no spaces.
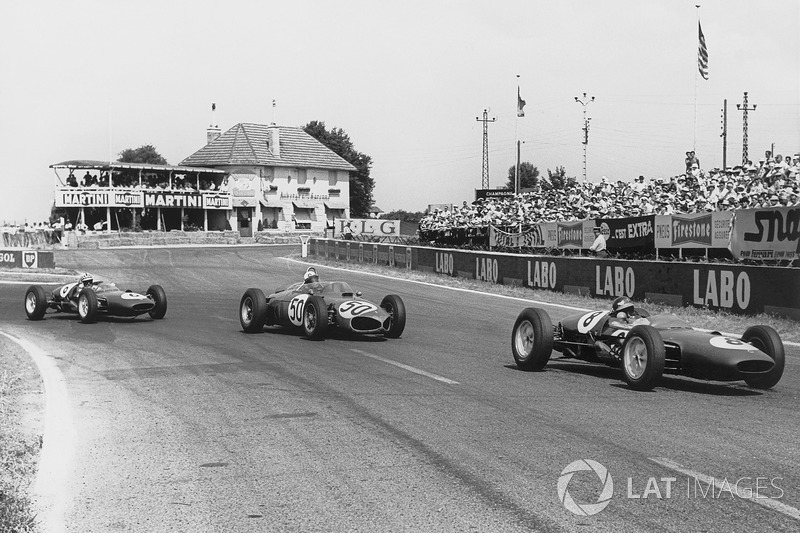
{"x":520,"y":105}
{"x":702,"y":54}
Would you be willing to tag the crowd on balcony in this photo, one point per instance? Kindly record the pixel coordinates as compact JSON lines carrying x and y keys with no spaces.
{"x":772,"y":182}
{"x":150,"y":181}
{"x":29,"y":235}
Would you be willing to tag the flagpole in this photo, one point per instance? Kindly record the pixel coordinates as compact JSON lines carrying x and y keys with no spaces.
{"x":696,"y":71}
{"x":516,"y":144}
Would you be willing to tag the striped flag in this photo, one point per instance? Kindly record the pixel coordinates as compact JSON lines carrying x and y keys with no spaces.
{"x":702,"y":54}
{"x":520,"y":105}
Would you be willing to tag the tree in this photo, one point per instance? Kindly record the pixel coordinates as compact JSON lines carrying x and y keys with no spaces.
{"x":412,"y":217}
{"x":528,"y":174}
{"x":559,"y":180}
{"x":144,"y":154}
{"x":361,"y":184}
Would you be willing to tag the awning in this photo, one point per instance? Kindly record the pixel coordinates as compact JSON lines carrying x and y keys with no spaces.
{"x":303,"y":215}
{"x":337,"y":204}
{"x":264,"y":203}
{"x":305,"y":204}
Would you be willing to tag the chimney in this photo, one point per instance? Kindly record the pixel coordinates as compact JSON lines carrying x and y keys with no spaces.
{"x":274,"y":139}
{"x":212,"y":133}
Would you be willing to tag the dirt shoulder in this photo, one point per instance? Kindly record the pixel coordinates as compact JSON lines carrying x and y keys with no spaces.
{"x":21,"y":430}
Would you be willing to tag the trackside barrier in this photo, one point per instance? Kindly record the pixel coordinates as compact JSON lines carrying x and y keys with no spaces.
{"x":740,"y":289}
{"x":16,"y":258}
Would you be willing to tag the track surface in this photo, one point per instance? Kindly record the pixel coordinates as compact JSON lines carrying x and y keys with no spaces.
{"x":188,"y":424}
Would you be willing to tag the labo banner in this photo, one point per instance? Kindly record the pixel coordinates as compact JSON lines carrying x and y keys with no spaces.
{"x":367,"y":227}
{"x":766,"y":233}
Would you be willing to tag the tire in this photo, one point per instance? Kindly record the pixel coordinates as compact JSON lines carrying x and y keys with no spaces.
{"x":87,"y":306}
{"x":394,"y":305}
{"x":315,"y":318}
{"x":768,"y":341}
{"x":643,"y":357}
{"x":156,"y":292}
{"x":532,"y":339}
{"x":253,"y":311}
{"x":35,"y":302}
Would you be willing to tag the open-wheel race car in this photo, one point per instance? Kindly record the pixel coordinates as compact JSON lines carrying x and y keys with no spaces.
{"x":648,"y":346}
{"x":90,"y":298}
{"x":316,"y":307}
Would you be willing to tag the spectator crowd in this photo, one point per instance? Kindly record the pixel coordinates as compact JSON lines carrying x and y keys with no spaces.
{"x":30,"y":235}
{"x":127,"y":180}
{"x":773,"y":182}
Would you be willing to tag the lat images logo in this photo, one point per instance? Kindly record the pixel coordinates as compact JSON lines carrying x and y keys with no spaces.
{"x":585,"y":509}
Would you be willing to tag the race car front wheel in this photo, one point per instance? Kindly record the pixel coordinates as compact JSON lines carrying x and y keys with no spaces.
{"x":643,"y":357}
{"x":768,"y":341}
{"x":253,"y":311}
{"x":532,"y":339}
{"x":157,"y":294}
{"x":87,"y":306}
{"x":35,"y":302}
{"x":315,"y":318}
{"x":394,"y":305}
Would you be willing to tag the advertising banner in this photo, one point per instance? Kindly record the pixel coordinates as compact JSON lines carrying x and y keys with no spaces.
{"x":533,"y":237}
{"x":365,"y":227}
{"x":631,"y":232}
{"x":693,"y":230}
{"x":71,"y":197}
{"x":766,"y":234}
{"x":492,"y":193}
{"x":221,"y":201}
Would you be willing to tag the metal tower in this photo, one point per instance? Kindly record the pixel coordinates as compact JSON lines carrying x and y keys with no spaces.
{"x":584,"y":102}
{"x":485,"y":173}
{"x":744,"y":109}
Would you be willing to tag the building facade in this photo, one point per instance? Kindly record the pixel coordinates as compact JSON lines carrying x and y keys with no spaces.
{"x":279,"y":177}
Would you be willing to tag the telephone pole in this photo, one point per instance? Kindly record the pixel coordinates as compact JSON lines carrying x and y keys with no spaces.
{"x":485,"y":174}
{"x":744,"y":109}
{"x":585,"y":102}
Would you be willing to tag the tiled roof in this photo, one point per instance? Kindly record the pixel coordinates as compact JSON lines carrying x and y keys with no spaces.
{"x":247,"y":144}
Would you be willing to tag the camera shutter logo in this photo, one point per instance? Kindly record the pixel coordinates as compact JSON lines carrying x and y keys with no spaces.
{"x":585,"y":509}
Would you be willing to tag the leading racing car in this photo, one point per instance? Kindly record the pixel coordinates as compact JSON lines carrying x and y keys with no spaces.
{"x":315,"y":307}
{"x":90,"y":298}
{"x":646,"y":346}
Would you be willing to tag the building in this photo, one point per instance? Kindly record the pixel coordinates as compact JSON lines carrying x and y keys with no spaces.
{"x":278,"y":175}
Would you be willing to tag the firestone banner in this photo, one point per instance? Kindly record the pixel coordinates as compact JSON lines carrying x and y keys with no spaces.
{"x":767,"y":233}
{"x":694,"y":230}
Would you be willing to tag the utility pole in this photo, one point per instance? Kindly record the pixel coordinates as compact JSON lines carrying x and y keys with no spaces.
{"x":744,"y":109}
{"x":585,"y":102}
{"x":485,"y":174}
{"x":724,"y":135}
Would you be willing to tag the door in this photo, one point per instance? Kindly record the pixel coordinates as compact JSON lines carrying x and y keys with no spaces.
{"x":245,"y":218}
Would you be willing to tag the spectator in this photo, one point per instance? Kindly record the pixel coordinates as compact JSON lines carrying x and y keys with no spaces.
{"x":598,"y":247}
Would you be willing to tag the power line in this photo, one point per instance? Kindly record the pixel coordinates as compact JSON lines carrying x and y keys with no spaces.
{"x":485,"y":173}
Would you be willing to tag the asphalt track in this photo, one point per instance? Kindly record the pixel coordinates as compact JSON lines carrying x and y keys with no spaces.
{"x":188,"y":424}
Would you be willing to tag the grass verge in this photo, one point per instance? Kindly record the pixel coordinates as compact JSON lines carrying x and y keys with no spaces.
{"x":700,"y":318}
{"x":19,"y":445}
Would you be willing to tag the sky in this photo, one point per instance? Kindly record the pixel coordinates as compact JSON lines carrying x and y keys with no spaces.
{"x":406,"y":80}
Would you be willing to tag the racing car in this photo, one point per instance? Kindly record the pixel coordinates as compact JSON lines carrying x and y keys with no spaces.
{"x":90,"y":298}
{"x":649,"y":346}
{"x":316,"y":307}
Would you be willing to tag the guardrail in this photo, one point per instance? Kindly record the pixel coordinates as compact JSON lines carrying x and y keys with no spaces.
{"x":737,"y":288}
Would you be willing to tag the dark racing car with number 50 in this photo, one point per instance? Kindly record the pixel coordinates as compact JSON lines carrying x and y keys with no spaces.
{"x":317,"y":307}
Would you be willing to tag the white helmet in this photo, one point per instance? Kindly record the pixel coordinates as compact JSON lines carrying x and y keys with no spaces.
{"x":311,"y":275}
{"x":86,"y":280}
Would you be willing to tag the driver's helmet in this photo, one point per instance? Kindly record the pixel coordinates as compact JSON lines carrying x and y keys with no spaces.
{"x":623,"y":304}
{"x":86,"y":280}
{"x":311,"y":275}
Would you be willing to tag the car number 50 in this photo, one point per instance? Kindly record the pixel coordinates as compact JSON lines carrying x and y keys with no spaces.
{"x":296,"y":307}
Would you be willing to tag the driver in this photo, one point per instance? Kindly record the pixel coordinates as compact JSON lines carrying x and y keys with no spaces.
{"x":311,"y":276}
{"x":86,"y":280}
{"x":623,"y":313}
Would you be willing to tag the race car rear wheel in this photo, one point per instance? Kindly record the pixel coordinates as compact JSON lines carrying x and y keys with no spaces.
{"x":253,"y":310}
{"x":157,"y":294}
{"x":643,"y":357}
{"x":87,"y":305}
{"x":768,"y":341}
{"x":394,"y":305}
{"x":35,"y":302}
{"x":315,"y":318}
{"x":532,"y":339}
